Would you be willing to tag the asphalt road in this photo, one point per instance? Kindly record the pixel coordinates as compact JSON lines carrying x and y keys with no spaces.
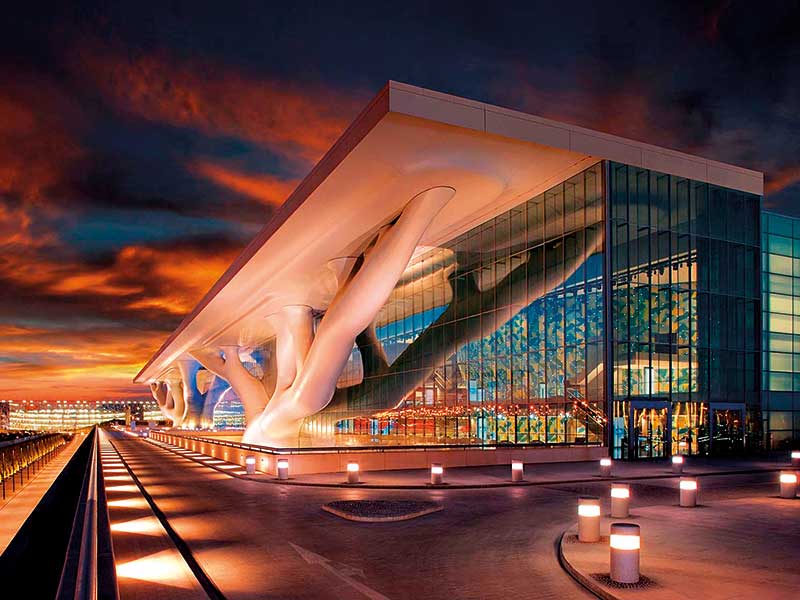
{"x":258,"y":540}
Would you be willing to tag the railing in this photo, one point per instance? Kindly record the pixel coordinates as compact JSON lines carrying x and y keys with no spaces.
{"x":84,"y":576}
{"x":20,"y":456}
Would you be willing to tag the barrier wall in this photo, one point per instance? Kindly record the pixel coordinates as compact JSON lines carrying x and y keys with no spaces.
{"x":306,"y":462}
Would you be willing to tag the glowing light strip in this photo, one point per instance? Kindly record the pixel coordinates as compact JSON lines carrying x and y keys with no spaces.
{"x":625,"y":542}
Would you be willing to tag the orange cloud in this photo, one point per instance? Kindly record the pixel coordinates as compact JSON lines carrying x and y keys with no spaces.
{"x":782,"y":178}
{"x":264,"y":188}
{"x":220,"y":100}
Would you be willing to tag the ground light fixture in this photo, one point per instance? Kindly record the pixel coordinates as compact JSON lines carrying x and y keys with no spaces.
{"x":677,"y":463}
{"x":283,"y":468}
{"x":588,"y":519}
{"x":788,"y":481}
{"x":605,"y":467}
{"x":620,"y":500}
{"x":353,"y":474}
{"x":688,"y":488}
{"x":437,"y":474}
{"x":517,"y":471}
{"x":796,"y":458}
{"x":250,"y":464}
{"x":625,"y":545}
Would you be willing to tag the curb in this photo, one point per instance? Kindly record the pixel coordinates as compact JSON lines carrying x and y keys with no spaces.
{"x":406,"y":517}
{"x":463,"y":486}
{"x":585,"y":582}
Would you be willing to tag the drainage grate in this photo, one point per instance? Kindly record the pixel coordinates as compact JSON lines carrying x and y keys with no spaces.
{"x":643,"y":583}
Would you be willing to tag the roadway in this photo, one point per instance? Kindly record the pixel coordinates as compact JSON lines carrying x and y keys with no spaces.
{"x":260,"y":540}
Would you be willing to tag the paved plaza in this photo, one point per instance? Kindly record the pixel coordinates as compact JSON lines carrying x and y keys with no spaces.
{"x":257,"y":540}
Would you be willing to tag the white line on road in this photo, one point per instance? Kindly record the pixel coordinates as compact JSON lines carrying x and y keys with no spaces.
{"x":315,"y":559}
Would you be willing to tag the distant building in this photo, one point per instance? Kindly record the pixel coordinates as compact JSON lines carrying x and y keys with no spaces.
{"x":5,"y":414}
{"x":66,"y":416}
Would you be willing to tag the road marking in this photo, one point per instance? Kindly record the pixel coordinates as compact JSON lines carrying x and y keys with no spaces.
{"x":315,"y":559}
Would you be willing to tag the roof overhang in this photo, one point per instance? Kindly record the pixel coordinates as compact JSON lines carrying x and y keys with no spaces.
{"x":406,"y":140}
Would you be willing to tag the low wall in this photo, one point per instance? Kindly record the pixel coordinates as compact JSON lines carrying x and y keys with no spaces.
{"x":305,"y":462}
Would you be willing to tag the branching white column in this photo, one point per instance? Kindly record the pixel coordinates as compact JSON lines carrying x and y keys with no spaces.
{"x":192,"y":397}
{"x":351,"y":312}
{"x":224,"y":362}
{"x":169,"y":397}
{"x":293,"y":336}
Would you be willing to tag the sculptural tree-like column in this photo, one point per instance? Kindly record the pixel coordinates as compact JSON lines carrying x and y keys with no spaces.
{"x":308,"y":367}
{"x":169,"y":397}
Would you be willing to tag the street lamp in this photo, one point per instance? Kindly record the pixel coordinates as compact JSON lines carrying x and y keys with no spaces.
{"x":625,"y":544}
{"x":688,"y":487}
{"x":589,"y":519}
{"x":352,"y":472}
{"x":517,"y":471}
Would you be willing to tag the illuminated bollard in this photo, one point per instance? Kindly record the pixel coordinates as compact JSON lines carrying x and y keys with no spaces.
{"x":250,"y":464}
{"x":625,"y":544}
{"x":788,"y":484}
{"x":283,"y":468}
{"x":620,"y":500}
{"x":605,"y":467}
{"x":688,"y":488}
{"x":517,"y":471}
{"x":588,"y":519}
{"x":437,"y":474}
{"x":353,"y":473}
{"x":677,"y":464}
{"x":796,"y":459}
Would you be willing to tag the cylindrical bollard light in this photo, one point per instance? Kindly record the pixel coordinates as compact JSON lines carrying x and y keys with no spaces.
{"x":589,"y":519}
{"x":517,"y":470}
{"x":605,"y":467}
{"x":620,"y":500}
{"x":688,"y":487}
{"x":677,"y":463}
{"x":250,"y":464}
{"x":625,"y":544}
{"x":283,"y":468}
{"x":437,"y":474}
{"x":353,"y":475}
{"x":788,"y":484}
{"x":796,"y":459}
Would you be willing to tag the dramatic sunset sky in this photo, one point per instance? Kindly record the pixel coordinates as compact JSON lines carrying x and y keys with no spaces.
{"x":142,"y":147}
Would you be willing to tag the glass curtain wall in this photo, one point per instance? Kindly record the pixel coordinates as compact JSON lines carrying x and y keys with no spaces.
{"x":781,"y":321}
{"x":495,"y":337}
{"x":686,"y":314}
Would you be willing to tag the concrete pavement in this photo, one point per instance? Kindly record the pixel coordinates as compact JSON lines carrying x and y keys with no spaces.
{"x":724,"y":549}
{"x":256,"y":540}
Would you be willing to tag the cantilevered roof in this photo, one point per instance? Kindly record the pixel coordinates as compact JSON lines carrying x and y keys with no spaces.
{"x":406,"y":140}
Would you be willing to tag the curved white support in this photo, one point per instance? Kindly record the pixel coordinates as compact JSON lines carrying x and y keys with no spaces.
{"x":250,"y":389}
{"x":169,"y":397}
{"x":293,"y":336}
{"x":351,"y":312}
{"x":193,"y":398}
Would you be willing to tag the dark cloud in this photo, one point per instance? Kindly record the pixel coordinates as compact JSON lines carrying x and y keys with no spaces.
{"x":142,"y":145}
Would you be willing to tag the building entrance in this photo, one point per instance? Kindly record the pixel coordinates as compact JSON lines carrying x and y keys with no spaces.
{"x":650,"y":430}
{"x":727,"y":429}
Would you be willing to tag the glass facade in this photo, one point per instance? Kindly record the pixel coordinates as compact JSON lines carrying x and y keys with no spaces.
{"x":686,"y":315}
{"x":781,"y":320}
{"x":495,"y":337}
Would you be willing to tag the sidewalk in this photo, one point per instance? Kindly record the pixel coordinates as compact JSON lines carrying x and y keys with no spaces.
{"x":731,"y":549}
{"x":149,"y":566}
{"x":17,"y":508}
{"x":495,"y":475}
